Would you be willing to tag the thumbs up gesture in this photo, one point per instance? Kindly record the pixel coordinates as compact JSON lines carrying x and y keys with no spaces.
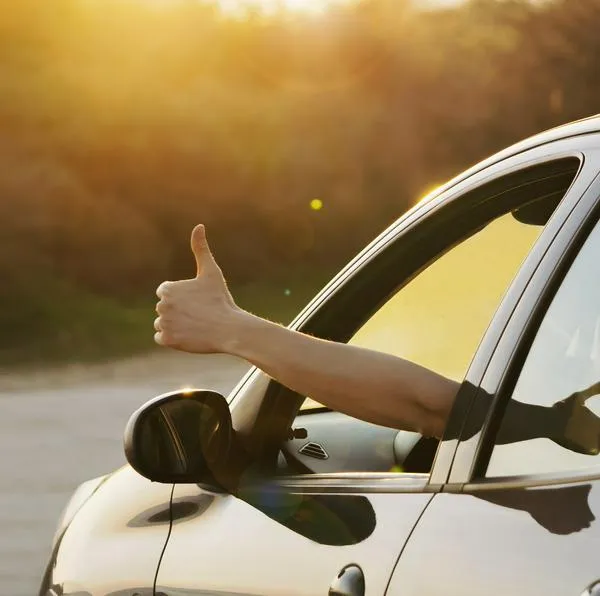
{"x":196,"y":315}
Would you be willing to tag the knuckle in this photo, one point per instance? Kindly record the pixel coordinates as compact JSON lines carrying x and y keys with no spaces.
{"x":170,"y":339}
{"x":164,"y":289}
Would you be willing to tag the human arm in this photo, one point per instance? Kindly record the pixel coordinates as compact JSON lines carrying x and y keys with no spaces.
{"x":362,"y":383}
{"x":199,"y":315}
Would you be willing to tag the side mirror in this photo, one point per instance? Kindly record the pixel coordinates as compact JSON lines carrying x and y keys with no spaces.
{"x":184,"y":437}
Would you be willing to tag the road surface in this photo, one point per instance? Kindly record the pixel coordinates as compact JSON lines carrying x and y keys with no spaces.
{"x":61,"y":427}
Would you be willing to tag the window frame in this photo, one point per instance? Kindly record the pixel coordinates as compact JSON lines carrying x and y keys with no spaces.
{"x":452,"y":200}
{"x":500,"y":372}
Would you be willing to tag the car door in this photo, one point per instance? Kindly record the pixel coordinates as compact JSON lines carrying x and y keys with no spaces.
{"x":519,"y":514}
{"x":313,"y":522}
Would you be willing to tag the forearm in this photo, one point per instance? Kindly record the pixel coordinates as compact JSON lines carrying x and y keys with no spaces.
{"x":369,"y":385}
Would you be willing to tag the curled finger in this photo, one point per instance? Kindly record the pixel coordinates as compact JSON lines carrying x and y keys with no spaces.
{"x":161,"y":307}
{"x":163,"y":290}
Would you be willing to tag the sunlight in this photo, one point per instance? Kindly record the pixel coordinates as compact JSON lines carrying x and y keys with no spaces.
{"x":308,"y":7}
{"x":274,"y":6}
{"x":429,"y":190}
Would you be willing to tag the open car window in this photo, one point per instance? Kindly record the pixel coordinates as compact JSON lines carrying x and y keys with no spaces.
{"x":435,"y":316}
{"x":438,"y":319}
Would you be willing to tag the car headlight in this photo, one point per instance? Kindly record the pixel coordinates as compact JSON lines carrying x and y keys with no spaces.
{"x":82,"y":493}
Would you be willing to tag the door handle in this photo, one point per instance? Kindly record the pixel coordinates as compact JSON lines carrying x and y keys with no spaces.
{"x":350,"y":581}
{"x":592,"y":590}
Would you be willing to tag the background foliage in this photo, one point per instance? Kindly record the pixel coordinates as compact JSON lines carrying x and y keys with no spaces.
{"x":125,"y":122}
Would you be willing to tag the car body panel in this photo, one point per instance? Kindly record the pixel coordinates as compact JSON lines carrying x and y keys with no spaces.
{"x":537,"y":541}
{"x":113,"y":544}
{"x":290,"y":541}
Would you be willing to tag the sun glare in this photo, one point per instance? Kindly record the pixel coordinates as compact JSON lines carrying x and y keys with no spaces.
{"x":269,"y":7}
{"x":273,"y":6}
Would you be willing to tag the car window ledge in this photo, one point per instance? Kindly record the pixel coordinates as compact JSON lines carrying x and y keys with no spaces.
{"x":534,"y":480}
{"x":353,"y":482}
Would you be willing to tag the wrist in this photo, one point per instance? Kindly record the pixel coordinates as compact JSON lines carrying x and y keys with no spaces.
{"x":238,"y":333}
{"x":558,"y":416}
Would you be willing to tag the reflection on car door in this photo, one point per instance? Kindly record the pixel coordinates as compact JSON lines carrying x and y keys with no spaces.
{"x":114,"y":543}
{"x":525,"y":516}
{"x":294,"y":537}
{"x":525,"y":541}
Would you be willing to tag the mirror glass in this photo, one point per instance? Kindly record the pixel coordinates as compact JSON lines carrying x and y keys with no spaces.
{"x":181,"y":438}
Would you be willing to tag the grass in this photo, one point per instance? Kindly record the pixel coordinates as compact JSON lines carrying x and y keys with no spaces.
{"x":86,"y":330}
{"x":64,"y":324}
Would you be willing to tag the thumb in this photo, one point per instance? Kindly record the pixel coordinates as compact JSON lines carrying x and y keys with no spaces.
{"x":201,"y":250}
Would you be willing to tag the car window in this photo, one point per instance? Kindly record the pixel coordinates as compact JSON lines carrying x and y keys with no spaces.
{"x":552,"y":422}
{"x":428,"y":298}
{"x":438,"y":319}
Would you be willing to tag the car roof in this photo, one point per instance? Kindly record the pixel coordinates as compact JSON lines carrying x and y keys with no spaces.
{"x":564,"y":131}
{"x":572,"y":129}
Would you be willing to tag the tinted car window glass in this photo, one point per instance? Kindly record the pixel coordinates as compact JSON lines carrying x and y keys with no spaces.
{"x":438,"y":310}
{"x":555,"y":404}
{"x":438,"y":319}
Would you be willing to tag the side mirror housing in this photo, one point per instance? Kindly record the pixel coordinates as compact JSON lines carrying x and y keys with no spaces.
{"x":185,"y":437}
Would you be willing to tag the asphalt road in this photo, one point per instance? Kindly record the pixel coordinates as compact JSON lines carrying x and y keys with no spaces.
{"x":59,"y":428}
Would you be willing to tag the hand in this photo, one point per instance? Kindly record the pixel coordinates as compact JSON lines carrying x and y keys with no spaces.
{"x":196,"y":315}
{"x":580,"y":427}
{"x":542,"y":503}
